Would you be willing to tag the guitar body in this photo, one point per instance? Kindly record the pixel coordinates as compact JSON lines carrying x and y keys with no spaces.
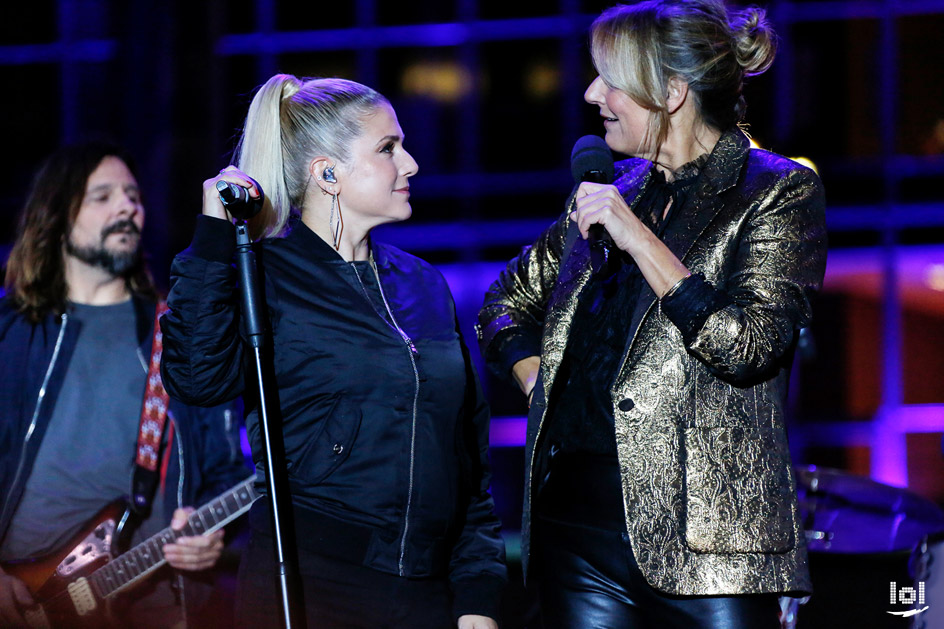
{"x":56,"y":581}
{"x":76,"y":588}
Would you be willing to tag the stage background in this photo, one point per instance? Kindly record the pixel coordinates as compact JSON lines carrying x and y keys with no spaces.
{"x":489,"y":94}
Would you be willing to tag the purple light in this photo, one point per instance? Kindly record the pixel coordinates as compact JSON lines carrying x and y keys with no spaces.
{"x":508,"y":432}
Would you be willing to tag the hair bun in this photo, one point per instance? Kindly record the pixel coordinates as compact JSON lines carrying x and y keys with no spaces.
{"x":755,"y":43}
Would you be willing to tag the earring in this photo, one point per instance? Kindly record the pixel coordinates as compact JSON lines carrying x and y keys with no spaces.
{"x":328,"y":175}
{"x":335,"y":221}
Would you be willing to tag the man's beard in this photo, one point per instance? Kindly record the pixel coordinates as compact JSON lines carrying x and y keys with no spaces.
{"x":117,"y":263}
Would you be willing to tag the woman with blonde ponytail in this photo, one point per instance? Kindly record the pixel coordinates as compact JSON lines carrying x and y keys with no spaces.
{"x":383,"y":421}
{"x":660,"y":492}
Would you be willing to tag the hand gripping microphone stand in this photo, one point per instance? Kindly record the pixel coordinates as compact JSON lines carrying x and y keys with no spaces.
{"x":242,"y":207}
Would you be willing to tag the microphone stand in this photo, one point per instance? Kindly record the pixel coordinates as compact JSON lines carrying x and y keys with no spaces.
{"x":246,"y":268}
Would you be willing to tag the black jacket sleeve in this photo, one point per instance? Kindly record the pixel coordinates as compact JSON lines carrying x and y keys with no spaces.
{"x":203,"y":355}
{"x":477,"y":569}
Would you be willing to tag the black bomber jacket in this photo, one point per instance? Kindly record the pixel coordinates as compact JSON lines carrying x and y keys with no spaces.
{"x":384,"y":423}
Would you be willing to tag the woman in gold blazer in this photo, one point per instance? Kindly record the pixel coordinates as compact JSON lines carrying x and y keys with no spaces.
{"x":659,"y":487}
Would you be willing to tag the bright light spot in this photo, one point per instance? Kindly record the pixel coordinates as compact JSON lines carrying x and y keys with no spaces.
{"x":543,"y":81}
{"x":806,"y":161}
{"x":934,"y":145}
{"x":935,"y":277}
{"x":441,"y":81}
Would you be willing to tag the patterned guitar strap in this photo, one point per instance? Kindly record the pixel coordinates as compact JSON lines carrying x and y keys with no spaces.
{"x":151,"y":427}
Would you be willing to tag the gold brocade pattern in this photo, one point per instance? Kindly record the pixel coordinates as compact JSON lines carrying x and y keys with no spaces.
{"x":708,"y":487}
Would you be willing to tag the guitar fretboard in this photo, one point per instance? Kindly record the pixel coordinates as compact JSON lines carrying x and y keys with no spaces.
{"x":149,"y":556}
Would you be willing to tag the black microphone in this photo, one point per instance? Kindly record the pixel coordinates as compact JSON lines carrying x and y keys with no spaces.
{"x":237,"y":201}
{"x":591,"y":160}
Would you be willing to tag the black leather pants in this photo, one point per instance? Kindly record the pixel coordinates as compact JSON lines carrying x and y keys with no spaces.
{"x":588,"y":578}
{"x":587,"y":575}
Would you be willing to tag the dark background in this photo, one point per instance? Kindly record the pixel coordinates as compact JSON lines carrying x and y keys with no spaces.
{"x":489,"y":94}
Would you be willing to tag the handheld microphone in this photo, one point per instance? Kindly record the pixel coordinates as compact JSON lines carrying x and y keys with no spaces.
{"x":591,"y":160}
{"x":237,"y":201}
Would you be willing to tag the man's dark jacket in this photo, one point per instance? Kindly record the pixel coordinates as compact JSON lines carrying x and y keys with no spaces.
{"x":33,"y":363}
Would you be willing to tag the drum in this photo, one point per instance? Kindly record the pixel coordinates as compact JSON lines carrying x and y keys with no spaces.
{"x":845,"y":513}
{"x":860,"y":534}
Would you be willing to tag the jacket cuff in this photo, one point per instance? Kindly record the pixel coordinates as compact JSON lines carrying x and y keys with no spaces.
{"x":480,"y":596}
{"x":213,"y":240}
{"x":509,"y":346}
{"x":690,"y":303}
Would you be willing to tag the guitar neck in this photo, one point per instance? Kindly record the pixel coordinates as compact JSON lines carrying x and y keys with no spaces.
{"x":148,"y":556}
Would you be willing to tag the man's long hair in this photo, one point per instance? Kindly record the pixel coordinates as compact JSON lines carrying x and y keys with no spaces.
{"x":35,"y":275}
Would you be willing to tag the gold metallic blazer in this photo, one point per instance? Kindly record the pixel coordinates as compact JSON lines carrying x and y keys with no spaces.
{"x":708,"y":487}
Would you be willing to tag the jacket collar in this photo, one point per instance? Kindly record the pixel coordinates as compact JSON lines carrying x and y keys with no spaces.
{"x":634,"y":176}
{"x":302,"y":237}
{"x":720,"y":173}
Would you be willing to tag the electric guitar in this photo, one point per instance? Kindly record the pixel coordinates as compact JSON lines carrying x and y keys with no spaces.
{"x":73,"y":587}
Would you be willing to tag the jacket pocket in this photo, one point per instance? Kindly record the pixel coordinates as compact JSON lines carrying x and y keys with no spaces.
{"x":739,"y":494}
{"x":331,"y":444}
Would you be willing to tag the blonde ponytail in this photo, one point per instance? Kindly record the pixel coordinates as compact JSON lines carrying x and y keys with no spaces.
{"x":259,"y":153}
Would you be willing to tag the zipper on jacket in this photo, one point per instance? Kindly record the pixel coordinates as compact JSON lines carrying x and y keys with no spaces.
{"x":234,"y":451}
{"x":39,"y":402}
{"x":180,"y":463}
{"x":416,"y":393}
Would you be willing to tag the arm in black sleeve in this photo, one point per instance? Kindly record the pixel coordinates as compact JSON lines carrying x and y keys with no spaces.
{"x":477,"y":568}
{"x":690,"y":305}
{"x":203,"y":354}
